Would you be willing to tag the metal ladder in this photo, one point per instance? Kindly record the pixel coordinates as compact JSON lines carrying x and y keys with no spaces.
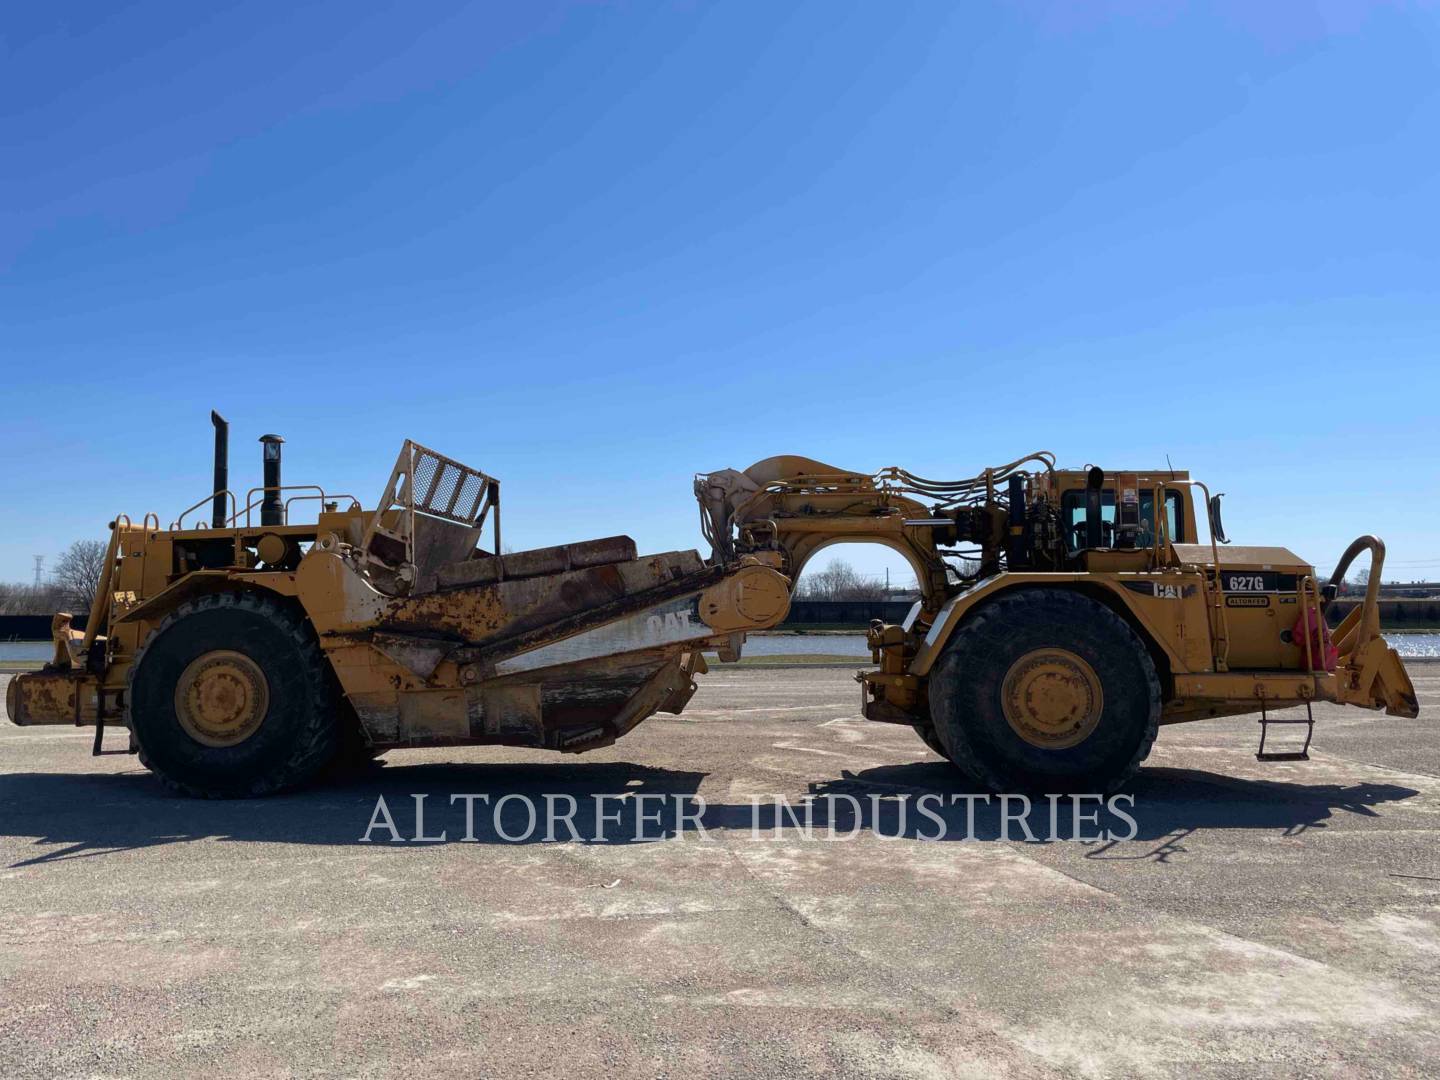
{"x":1303,"y":754}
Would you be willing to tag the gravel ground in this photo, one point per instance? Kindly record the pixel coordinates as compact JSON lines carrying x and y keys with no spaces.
{"x":1275,"y":919}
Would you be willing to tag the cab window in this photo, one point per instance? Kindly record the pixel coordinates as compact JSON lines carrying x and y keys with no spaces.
{"x":1072,"y":517}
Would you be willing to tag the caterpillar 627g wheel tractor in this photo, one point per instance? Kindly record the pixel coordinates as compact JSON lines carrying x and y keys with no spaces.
{"x":1063,"y":616}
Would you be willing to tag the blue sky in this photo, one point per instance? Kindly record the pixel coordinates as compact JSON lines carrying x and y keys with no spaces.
{"x":595,"y":248}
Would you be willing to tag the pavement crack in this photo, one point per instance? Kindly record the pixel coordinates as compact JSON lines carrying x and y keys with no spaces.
{"x":893,"y":974}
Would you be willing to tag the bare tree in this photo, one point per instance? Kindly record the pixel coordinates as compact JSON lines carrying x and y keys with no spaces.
{"x":79,"y":571}
{"x":839,"y":581}
{"x":1356,"y":582}
{"x":962,"y":568}
{"x":23,"y":598}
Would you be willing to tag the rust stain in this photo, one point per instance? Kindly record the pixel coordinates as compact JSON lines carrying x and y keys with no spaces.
{"x":50,"y":698}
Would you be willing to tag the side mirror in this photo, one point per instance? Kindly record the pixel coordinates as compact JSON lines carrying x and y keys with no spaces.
{"x":1217,"y":528}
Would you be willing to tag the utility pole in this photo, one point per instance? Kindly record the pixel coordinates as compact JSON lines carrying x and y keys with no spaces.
{"x":39,"y":569}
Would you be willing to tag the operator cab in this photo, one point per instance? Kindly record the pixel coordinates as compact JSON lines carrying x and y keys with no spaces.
{"x":1073,"y":518}
{"x":1072,"y":493}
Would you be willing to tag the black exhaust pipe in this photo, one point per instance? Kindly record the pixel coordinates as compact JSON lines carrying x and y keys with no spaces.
{"x":218,"y":516}
{"x":1017,"y":550}
{"x":272,"y":510}
{"x":1094,"y":486}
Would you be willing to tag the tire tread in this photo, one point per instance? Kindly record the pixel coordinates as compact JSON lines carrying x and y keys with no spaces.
{"x":317,"y":742}
{"x":989,"y":621}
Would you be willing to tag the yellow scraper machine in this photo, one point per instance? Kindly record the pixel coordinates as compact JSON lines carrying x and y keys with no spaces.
{"x":1064,"y":615}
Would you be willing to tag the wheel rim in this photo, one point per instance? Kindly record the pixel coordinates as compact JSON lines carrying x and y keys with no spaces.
{"x":1052,"y":699}
{"x":221,"y":698}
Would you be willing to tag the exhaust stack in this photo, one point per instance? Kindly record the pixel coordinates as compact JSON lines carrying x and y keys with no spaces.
{"x":222,"y":469}
{"x":1094,"y":490}
{"x":272,"y":510}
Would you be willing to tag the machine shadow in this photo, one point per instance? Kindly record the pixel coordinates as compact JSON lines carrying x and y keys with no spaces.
{"x":69,"y":816}
{"x":74,"y":816}
{"x":1160,"y":807}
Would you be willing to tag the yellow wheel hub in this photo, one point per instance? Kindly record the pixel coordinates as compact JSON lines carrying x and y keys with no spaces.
{"x":221,"y":698}
{"x":1052,"y":699}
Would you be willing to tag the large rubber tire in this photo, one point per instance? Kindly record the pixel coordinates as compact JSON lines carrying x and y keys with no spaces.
{"x":298,"y":734}
{"x":931,"y":738}
{"x":967,"y":694}
{"x":354,"y":754}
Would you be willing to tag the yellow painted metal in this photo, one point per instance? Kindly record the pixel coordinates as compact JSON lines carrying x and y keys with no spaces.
{"x":1052,"y":698}
{"x":423,"y":661}
{"x":1171,"y":590}
{"x":1369,"y":673}
{"x":1214,"y":595}
{"x":48,"y":697}
{"x":755,"y":596}
{"x":221,"y":698}
{"x":271,"y":548}
{"x":1162,"y":618}
{"x":590,"y":646}
{"x":100,"y":609}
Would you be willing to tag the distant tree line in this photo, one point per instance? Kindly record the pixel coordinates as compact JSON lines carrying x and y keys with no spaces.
{"x":71,"y":587}
{"x":77,"y":575}
{"x":839,"y":581}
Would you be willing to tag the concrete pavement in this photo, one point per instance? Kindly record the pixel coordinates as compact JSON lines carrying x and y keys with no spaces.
{"x":1280,"y":919}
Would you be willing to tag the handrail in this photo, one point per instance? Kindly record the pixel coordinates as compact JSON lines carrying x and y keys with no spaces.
{"x":235,"y":519}
{"x":1369,"y":619}
{"x":250,"y":495}
{"x":179,"y":522}
{"x":1311,"y":634}
{"x":1376,"y":547}
{"x":1222,"y":657}
{"x":251,"y":502}
{"x":354,"y":502}
{"x":100,"y":609}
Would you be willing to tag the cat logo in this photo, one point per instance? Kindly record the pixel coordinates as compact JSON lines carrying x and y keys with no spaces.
{"x":672,"y":625}
{"x":1161,"y":590}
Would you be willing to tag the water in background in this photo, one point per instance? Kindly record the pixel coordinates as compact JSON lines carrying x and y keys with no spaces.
{"x":1415,"y":646}
{"x":1408,"y":645}
{"x":1411,"y":646}
{"x":26,"y":650}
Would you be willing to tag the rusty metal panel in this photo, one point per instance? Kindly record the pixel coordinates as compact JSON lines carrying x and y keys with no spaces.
{"x":437,"y":544}
{"x":419,"y":655}
{"x":510,"y":710}
{"x":667,"y":624}
{"x":512,"y":608}
{"x":45,"y":698}
{"x":432,"y":714}
{"x":538,"y":561}
{"x":667,"y":566}
{"x":551,"y":560}
{"x":471,"y":572}
{"x":379,"y":714}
